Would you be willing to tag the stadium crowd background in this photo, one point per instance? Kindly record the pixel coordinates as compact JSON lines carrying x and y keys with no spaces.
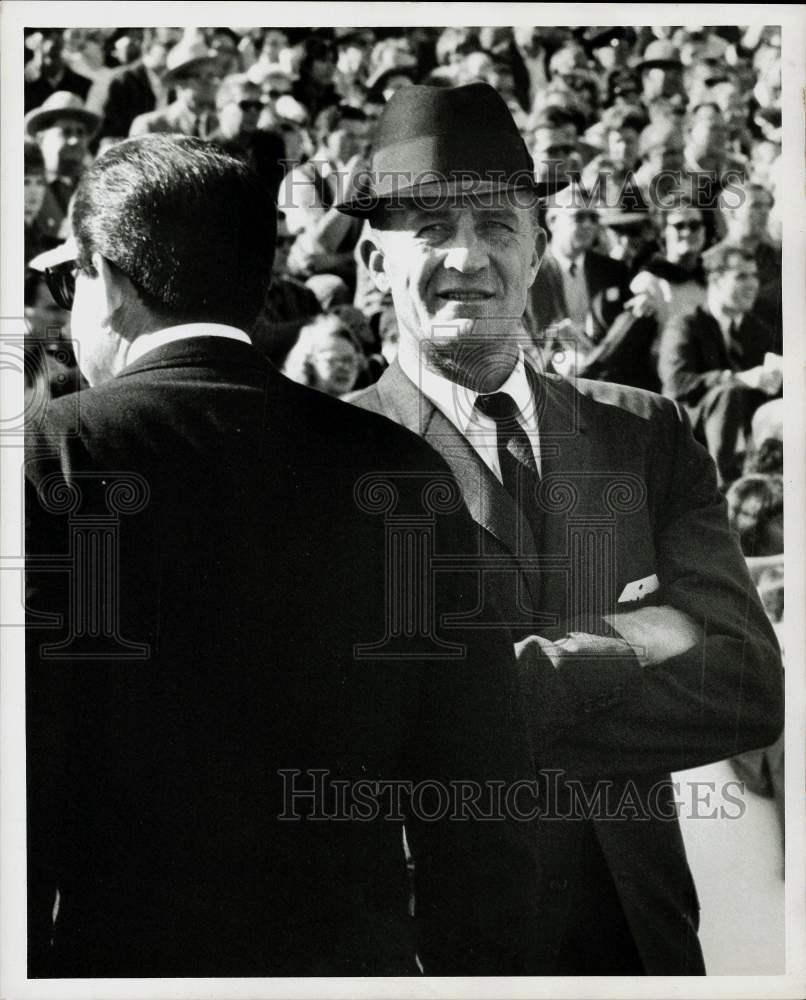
{"x":665,"y":274}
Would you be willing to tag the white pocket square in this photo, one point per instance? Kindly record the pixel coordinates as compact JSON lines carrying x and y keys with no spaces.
{"x":638,"y":589}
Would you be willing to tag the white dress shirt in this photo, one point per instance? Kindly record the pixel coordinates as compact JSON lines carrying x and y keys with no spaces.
{"x":458,"y":404}
{"x":151,"y":341}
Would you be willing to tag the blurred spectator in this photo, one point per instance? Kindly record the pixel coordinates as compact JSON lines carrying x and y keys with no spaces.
{"x":578,"y":291}
{"x":325,"y":238}
{"x":315,"y":88}
{"x":62,"y":128}
{"x":756,"y":512}
{"x":746,"y":211}
{"x":239,"y":106}
{"x":556,"y":149}
{"x":46,"y":73}
{"x":721,"y":363}
{"x":192,"y":70}
{"x":324,"y":357}
{"x":132,"y":90}
{"x":288,"y":306}
{"x":707,"y":145}
{"x":622,"y":129}
{"x":662,"y":150}
{"x":35,"y":191}
{"x":661,"y":71}
{"x":224,"y":42}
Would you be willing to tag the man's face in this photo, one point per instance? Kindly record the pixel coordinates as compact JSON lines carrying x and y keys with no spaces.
{"x":197,"y":89}
{"x":661,"y":81}
{"x":573,"y":230}
{"x":35,"y":188}
{"x":751,"y":217}
{"x":684,"y":233}
{"x":737,"y":286}
{"x":622,"y":147}
{"x":64,"y":146}
{"x":348,"y":140}
{"x":242,"y":111}
{"x":554,"y":152}
{"x":708,"y":132}
{"x":458,"y":276}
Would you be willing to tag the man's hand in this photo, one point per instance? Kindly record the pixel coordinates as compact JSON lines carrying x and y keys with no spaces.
{"x":766,"y":380}
{"x":642,"y":304}
{"x":575,"y":644}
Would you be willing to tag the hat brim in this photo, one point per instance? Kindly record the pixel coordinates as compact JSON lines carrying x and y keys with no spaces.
{"x":38,"y":121}
{"x":186,"y":68}
{"x":622,"y":219}
{"x":58,"y":255}
{"x":438,"y":193}
{"x":659,"y":64}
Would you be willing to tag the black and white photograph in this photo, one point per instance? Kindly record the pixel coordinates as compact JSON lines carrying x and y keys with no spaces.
{"x":401,"y":410}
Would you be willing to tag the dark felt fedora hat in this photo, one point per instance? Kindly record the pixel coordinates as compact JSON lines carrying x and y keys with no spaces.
{"x":434,"y":142}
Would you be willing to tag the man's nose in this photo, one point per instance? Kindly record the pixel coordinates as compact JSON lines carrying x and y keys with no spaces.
{"x":468,"y":254}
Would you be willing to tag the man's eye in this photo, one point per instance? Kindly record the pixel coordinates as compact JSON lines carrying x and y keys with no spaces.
{"x":433,"y":229}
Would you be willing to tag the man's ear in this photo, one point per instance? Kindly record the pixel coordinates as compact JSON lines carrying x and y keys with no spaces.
{"x":113,"y":282}
{"x":537,"y":254}
{"x":374,"y":261}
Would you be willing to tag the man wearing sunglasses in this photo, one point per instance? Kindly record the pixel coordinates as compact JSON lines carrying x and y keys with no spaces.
{"x":212,"y":642}
{"x":240,"y":104}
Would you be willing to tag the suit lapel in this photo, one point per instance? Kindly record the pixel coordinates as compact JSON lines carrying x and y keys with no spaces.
{"x":488,"y":502}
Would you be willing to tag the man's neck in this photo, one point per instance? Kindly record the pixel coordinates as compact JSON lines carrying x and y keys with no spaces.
{"x":478,"y":368}
{"x":723,"y":313}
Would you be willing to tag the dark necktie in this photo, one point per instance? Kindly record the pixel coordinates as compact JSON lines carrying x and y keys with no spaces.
{"x":735,"y":350}
{"x":572,"y":268}
{"x":517,"y":460}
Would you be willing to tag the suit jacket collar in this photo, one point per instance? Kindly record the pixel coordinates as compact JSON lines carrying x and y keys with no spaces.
{"x":198,"y":352}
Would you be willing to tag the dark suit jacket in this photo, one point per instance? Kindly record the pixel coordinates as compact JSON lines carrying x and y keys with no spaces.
{"x":625,"y":493}
{"x":39,"y":90}
{"x":120,"y":98}
{"x":607,"y":282}
{"x":208,"y":664}
{"x":694,"y":355}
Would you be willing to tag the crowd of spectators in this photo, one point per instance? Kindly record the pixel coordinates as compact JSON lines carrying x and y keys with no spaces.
{"x":664,"y":262}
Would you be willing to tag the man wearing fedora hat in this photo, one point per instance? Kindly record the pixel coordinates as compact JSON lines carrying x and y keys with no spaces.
{"x":63,"y":128}
{"x":600,"y":532}
{"x":193,"y":71}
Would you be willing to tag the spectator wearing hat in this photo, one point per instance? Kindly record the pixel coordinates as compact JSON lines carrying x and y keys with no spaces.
{"x":528,"y":448}
{"x":661,"y":71}
{"x":132,"y":90}
{"x":662,"y":151}
{"x":62,"y":128}
{"x":239,"y":106}
{"x":325,"y":237}
{"x":192,"y":70}
{"x":46,"y":73}
{"x":721,"y":362}
{"x":578,"y":291}
{"x":707,"y":151}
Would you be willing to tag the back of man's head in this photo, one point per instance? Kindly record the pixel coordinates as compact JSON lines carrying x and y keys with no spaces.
{"x":191,"y":227}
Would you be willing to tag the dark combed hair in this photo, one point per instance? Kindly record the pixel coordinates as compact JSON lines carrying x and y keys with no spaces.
{"x":192,"y":227}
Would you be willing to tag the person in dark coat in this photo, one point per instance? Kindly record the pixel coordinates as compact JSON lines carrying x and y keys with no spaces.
{"x":47,"y":74}
{"x":600,"y":530}
{"x":721,"y":362}
{"x":230,"y":719}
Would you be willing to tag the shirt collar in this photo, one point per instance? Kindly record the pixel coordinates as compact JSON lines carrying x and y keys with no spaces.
{"x":457,"y":401}
{"x":147,"y":342}
{"x":566,"y":262}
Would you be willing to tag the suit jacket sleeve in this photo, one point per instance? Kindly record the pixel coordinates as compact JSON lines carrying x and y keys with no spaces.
{"x":685,"y":374}
{"x":725,"y":695}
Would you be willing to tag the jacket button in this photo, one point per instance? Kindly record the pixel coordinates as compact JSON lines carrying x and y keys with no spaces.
{"x":558,"y":884}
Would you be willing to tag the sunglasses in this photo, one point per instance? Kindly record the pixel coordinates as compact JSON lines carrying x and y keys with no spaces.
{"x":686,"y":227}
{"x":250,"y":105}
{"x":61,"y":282}
{"x":274,"y":94}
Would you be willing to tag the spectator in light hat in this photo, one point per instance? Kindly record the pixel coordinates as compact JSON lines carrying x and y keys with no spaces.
{"x":661,"y":70}
{"x":193,"y":70}
{"x":62,"y":128}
